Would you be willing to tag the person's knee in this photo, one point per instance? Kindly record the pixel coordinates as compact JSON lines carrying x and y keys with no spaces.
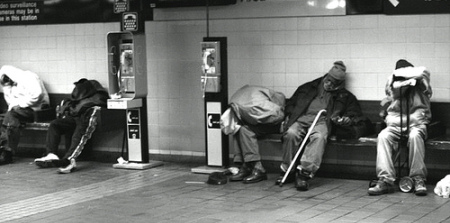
{"x":290,"y":134}
{"x":415,"y":135}
{"x":384,"y":135}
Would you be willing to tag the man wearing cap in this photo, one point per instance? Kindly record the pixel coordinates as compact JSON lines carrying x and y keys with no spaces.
{"x":24,"y":92}
{"x":327,"y":92}
{"x":77,"y":121}
{"x":406,"y":109}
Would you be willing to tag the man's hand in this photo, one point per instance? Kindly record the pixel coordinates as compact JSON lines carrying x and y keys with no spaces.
{"x":343,"y":121}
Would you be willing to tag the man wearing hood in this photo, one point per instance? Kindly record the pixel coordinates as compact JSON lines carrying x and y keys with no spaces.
{"x":24,"y":92}
{"x":407,"y":104}
{"x":329,"y":93}
{"x":77,"y":119}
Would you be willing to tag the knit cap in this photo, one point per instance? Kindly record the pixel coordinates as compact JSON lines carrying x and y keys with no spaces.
{"x":340,"y":73}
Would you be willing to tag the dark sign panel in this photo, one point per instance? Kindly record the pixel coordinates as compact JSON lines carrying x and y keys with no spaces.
{"x":16,"y":12}
{"x":397,"y":7}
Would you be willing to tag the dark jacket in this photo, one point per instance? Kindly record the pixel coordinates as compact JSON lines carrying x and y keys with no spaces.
{"x":342,"y":103}
{"x":86,"y":94}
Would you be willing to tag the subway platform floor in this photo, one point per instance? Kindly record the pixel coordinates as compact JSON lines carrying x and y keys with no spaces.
{"x":97,"y":192}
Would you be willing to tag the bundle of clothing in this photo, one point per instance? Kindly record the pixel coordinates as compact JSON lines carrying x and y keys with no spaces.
{"x":253,"y":105}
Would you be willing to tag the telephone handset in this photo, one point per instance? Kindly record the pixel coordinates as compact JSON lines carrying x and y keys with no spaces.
{"x":210,"y":68}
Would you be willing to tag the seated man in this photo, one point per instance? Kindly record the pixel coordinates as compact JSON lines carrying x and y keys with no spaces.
{"x":329,"y":93}
{"x":408,"y":85}
{"x":77,"y":121}
{"x":259,"y":111}
{"x":24,"y":92}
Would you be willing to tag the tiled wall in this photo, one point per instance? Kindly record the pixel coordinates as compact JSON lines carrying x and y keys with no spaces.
{"x":59,"y":54}
{"x":280,"y":53}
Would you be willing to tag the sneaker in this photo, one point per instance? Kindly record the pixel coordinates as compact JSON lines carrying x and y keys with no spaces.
{"x":68,"y":169}
{"x":46,"y":161}
{"x":419,"y":187}
{"x":48,"y":157}
{"x":380,"y":188}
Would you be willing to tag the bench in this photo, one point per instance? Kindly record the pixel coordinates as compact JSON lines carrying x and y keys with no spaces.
{"x":33,"y":134}
{"x":356,"y":158}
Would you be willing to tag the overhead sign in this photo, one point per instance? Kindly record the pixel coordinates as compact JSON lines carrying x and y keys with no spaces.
{"x":398,"y":7}
{"x":30,"y":12}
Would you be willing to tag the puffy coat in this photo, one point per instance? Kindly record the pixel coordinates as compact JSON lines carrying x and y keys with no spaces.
{"x":408,"y":86}
{"x":29,"y":90}
{"x":258,"y":105}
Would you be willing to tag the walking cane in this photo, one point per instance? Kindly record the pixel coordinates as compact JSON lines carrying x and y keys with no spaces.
{"x":323,"y":111}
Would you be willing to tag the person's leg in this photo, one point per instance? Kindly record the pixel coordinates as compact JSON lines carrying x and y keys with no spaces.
{"x":244,"y":142}
{"x":418,"y":170}
{"x":57,"y":128}
{"x":86,"y":125}
{"x":252,"y":154}
{"x":387,"y":146}
{"x":10,"y":131}
{"x":314,"y":150}
{"x":312,"y":156}
{"x":291,"y":140}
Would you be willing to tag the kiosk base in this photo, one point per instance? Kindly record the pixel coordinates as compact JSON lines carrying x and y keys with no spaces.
{"x":138,"y":166}
{"x":207,"y":169}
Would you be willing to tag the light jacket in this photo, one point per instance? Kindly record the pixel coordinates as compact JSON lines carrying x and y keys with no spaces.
{"x":29,"y":90}
{"x":408,"y":86}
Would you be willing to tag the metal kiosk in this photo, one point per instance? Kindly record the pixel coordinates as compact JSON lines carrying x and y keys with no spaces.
{"x":215,"y":93}
{"x":127,"y":77}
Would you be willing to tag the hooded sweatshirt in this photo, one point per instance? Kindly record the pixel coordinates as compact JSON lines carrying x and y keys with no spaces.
{"x":29,"y":90}
{"x":408,"y":88}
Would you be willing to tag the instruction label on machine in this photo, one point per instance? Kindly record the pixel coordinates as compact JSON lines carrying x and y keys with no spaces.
{"x":130,"y":21}
{"x":213,"y":120}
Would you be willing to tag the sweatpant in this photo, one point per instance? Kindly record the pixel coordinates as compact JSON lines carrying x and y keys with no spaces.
{"x":77,"y":130}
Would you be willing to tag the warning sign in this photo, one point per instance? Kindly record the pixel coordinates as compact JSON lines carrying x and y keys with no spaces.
{"x":129,"y":21}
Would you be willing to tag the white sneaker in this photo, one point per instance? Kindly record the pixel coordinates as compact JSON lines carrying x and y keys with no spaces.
{"x":49,"y":157}
{"x":68,"y":169}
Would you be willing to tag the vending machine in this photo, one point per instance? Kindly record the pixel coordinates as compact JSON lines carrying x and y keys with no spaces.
{"x":127,"y":78}
{"x":214,"y":85}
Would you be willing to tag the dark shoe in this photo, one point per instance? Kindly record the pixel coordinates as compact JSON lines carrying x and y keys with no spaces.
{"x":60,"y":163}
{"x":381,"y":187}
{"x":44,"y":163}
{"x":243,"y":173}
{"x":419,"y":187}
{"x":6,"y":157}
{"x":301,"y":182}
{"x":256,"y":176}
{"x":289,"y":179}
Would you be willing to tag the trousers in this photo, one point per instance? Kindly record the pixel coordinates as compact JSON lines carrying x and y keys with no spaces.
{"x":245,"y":141}
{"x":313,"y":152}
{"x":10,"y":129}
{"x":387,"y":147}
{"x":77,"y":131}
